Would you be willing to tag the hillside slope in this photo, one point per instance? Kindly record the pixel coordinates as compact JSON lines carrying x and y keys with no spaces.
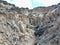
{"x":23,"y":26}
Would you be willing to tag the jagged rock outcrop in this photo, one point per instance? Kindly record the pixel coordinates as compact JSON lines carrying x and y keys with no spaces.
{"x":23,"y":26}
{"x":13,"y":31}
{"x":13,"y":27}
{"x":49,"y":33}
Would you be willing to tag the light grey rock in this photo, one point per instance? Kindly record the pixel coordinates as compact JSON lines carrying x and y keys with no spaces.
{"x":23,"y":26}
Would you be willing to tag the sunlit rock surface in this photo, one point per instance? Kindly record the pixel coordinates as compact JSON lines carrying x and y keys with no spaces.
{"x":22,"y":26}
{"x":14,"y":31}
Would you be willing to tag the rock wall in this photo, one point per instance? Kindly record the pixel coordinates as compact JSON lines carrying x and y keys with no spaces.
{"x":22,"y":26}
{"x":13,"y":31}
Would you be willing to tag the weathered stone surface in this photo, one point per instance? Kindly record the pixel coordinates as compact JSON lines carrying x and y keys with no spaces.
{"x":22,"y":26}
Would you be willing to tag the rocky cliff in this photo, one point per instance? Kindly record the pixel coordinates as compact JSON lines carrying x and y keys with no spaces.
{"x":23,"y":26}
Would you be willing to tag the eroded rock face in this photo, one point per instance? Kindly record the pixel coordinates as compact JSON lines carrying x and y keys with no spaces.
{"x":21,"y":26}
{"x":49,"y":33}
{"x":14,"y":32}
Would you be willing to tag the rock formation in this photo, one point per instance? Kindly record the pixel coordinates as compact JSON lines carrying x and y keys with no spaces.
{"x":23,"y":26}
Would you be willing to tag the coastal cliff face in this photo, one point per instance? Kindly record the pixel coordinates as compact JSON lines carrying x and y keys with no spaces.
{"x":23,"y":26}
